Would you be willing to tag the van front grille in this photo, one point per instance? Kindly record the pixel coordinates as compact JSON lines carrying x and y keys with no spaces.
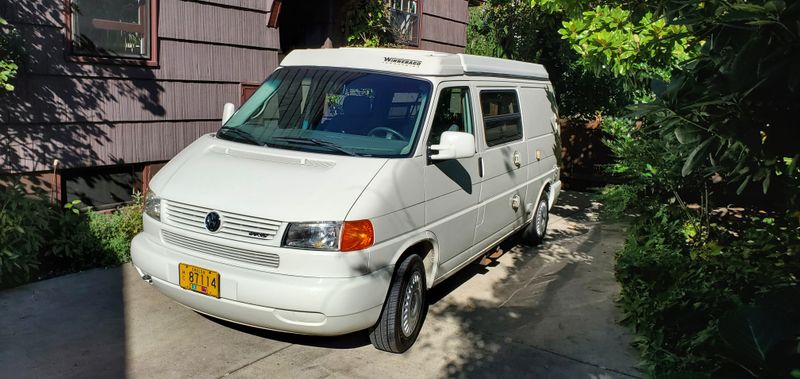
{"x":217,"y":250}
{"x":235,"y":226}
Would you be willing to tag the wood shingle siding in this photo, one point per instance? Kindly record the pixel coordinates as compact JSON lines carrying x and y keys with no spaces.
{"x":216,"y":24}
{"x":179,"y":60}
{"x":34,"y":12}
{"x":435,"y":46}
{"x":258,"y":5}
{"x":456,"y":10}
{"x":57,"y":99}
{"x":98,"y":144}
{"x":445,"y":31}
{"x":100,"y":114}
{"x":444,"y":25}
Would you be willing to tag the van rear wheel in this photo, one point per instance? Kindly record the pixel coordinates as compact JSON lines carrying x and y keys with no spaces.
{"x":534,"y":233}
{"x":404,"y":310}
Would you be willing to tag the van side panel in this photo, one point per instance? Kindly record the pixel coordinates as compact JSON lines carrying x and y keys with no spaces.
{"x":395,"y":203}
{"x":505,"y":173}
{"x":540,"y":123}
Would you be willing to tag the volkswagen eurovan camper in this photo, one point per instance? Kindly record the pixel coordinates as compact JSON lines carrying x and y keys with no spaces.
{"x":349,"y":184}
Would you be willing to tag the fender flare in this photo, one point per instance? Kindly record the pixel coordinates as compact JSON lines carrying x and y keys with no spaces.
{"x":423,"y":236}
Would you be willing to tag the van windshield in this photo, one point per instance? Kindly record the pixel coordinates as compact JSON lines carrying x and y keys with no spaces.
{"x":333,"y":111}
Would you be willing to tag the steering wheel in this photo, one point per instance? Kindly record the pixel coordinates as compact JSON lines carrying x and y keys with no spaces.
{"x":389,"y":133}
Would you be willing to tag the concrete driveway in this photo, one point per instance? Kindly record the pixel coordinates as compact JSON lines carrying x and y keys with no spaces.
{"x":534,"y":312}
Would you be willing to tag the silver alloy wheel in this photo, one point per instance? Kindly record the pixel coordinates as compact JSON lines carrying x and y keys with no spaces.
{"x":412,"y":303}
{"x":541,"y":218}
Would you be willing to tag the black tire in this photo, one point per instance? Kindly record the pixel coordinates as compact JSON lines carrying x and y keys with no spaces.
{"x":389,"y":334}
{"x":534,"y":234}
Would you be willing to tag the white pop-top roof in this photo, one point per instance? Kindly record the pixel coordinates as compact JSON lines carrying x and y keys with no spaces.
{"x":415,"y":62}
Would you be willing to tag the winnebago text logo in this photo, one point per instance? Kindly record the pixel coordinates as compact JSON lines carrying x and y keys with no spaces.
{"x":408,"y":62}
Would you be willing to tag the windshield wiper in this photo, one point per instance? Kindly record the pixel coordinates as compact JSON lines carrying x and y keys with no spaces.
{"x":240,"y":135}
{"x":317,"y":142}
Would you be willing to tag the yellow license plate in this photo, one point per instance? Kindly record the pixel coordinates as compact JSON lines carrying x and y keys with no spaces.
{"x":198,"y":279}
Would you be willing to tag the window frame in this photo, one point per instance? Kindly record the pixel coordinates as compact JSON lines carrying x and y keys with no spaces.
{"x":244,"y":87}
{"x":469,"y":103}
{"x":76,"y":57}
{"x":518,"y":113}
{"x":420,"y":12}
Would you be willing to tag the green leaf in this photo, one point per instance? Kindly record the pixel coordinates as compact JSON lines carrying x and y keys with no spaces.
{"x":752,"y":332}
{"x":743,"y":185}
{"x":793,"y":164}
{"x":694,"y":157}
{"x":687,"y":134}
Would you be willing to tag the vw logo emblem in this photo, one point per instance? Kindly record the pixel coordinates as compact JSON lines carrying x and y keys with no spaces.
{"x":213,"y":221}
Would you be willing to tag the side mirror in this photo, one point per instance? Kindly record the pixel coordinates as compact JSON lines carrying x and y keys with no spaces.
{"x":453,"y":145}
{"x":227,"y":111}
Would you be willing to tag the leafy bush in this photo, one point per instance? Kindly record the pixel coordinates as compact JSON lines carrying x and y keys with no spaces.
{"x":12,"y":55}
{"x":675,"y":289}
{"x":115,"y":231}
{"x":367,"y":24}
{"x":525,"y":32}
{"x":39,"y":240}
{"x":695,"y":266}
{"x":23,"y":222}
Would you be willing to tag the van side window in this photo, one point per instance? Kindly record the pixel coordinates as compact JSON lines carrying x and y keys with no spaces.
{"x":501,"y":117}
{"x":453,"y":113}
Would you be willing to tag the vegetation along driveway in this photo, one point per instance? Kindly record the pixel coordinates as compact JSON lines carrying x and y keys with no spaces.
{"x":535,"y":312}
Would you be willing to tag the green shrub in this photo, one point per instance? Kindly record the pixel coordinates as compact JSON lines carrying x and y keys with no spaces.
{"x":115,"y":231}
{"x":23,"y":223}
{"x":70,"y":244}
{"x":694,"y":266}
{"x":678,"y":284}
{"x":39,"y":240}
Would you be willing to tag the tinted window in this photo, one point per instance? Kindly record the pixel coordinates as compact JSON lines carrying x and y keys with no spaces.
{"x":333,"y":111}
{"x":501,"y":118}
{"x":452,"y":113}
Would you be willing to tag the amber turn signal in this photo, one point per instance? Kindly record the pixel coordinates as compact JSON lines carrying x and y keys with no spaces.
{"x":357,"y":235}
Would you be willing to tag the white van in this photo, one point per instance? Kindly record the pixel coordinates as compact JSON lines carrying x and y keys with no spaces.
{"x":348,"y":185}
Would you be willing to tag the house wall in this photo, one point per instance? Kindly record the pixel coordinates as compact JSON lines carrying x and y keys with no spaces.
{"x":444,"y":25}
{"x":87,"y":115}
{"x":94,"y":114}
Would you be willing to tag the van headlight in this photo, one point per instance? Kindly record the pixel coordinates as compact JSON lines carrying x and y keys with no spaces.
{"x":152,"y":205}
{"x":342,"y":236}
{"x":313,"y":235}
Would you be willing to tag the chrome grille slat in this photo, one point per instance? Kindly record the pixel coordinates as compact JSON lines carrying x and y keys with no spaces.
{"x":188,"y":213}
{"x":273,"y":228}
{"x":185,"y":219}
{"x":214,"y":249}
{"x":235,"y":226}
{"x":244,"y":230}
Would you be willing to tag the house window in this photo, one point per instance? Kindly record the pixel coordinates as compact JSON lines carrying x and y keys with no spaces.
{"x":502,"y":121}
{"x":113,"y":29}
{"x":404,"y":17}
{"x":247,"y":90}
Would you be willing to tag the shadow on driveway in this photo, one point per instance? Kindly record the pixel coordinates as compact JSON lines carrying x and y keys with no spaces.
{"x":545,"y":311}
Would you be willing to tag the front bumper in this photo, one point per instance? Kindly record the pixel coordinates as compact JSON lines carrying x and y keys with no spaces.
{"x":295,"y":304}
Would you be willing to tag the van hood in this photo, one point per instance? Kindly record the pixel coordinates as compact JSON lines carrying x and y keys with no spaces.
{"x":277,"y":184}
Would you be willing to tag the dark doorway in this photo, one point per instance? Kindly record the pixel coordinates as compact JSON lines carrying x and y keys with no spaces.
{"x":311,"y":24}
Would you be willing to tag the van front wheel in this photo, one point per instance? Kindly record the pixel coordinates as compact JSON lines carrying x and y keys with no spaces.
{"x":404,"y":310}
{"x":535,"y":231}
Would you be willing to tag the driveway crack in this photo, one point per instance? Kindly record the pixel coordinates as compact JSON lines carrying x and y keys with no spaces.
{"x":257,"y":360}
